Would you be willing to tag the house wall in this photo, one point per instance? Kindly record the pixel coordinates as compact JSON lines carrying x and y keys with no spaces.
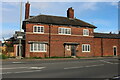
{"x":99,"y":46}
{"x":57,"y":40}
{"x":104,"y":46}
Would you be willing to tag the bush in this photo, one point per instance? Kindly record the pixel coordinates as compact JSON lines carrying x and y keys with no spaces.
{"x":3,"y":56}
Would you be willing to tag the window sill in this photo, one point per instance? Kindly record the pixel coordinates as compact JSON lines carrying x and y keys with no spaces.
{"x":85,"y":35}
{"x":38,"y":32}
{"x":85,"y":51}
{"x":64,"y":34}
{"x":38,"y":51}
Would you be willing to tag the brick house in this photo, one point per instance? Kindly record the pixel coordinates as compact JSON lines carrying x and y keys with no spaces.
{"x":48,"y":36}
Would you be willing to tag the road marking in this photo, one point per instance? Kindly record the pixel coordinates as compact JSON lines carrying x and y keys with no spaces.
{"x":16,"y":62}
{"x":33,"y":69}
{"x":27,"y":71}
{"x":14,"y":68}
{"x":107,"y":62}
{"x":37,"y":67}
{"x":83,"y":66}
{"x":23,"y":68}
{"x":20,"y":72}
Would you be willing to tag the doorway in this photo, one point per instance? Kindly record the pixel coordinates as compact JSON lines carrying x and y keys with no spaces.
{"x":73,"y":50}
{"x":17,"y":50}
{"x":115,"y":51}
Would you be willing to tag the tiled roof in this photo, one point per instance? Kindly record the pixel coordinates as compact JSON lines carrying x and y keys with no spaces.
{"x":57,"y":20}
{"x":106,"y":35}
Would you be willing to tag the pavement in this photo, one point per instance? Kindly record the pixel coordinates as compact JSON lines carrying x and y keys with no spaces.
{"x":102,"y":67}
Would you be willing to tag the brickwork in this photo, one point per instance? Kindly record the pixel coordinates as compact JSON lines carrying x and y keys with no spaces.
{"x":57,"y":41}
{"x":104,"y":46}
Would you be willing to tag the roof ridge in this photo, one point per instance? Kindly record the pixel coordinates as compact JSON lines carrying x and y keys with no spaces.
{"x":59,"y":20}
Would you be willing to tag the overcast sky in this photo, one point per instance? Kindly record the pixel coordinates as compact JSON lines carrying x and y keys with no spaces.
{"x":104,"y":15}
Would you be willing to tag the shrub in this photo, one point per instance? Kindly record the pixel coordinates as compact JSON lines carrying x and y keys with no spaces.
{"x":3,"y":56}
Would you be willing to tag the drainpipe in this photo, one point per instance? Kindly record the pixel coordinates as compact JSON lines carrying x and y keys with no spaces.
{"x":49,"y":38}
{"x":101,"y":47}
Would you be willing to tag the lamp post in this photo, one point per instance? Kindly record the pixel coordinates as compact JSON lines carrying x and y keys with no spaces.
{"x":20,"y":37}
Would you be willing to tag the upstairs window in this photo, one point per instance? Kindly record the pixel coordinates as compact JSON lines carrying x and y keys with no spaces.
{"x":38,"y":29}
{"x":85,"y":32}
{"x":64,"y":31}
{"x":85,"y":48}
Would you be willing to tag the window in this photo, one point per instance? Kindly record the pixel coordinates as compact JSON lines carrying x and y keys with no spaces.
{"x":85,"y":48}
{"x":85,"y":32}
{"x":67,"y":47}
{"x":64,"y":31}
{"x":38,"y":47}
{"x":38,"y":29}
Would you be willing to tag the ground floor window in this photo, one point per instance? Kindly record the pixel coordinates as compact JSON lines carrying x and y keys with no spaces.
{"x":85,"y":48}
{"x":38,"y":47}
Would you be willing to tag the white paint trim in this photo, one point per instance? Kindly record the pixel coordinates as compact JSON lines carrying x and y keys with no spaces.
{"x":85,"y":30}
{"x":63,"y":33}
{"x":37,"y":47}
{"x":16,"y":50}
{"x":113,"y":50}
{"x":87,"y":47}
{"x":40,"y":27}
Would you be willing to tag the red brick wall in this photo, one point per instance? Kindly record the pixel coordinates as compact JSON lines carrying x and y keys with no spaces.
{"x":57,"y":40}
{"x":107,"y":46}
{"x":97,"y":47}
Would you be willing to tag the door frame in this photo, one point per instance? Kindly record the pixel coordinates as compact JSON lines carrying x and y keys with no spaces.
{"x":113,"y":50}
{"x":17,"y":50}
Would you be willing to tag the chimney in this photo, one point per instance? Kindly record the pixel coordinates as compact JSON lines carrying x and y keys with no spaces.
{"x":119,"y":32}
{"x":110,"y":32}
{"x":27,"y":10}
{"x":70,"y":13}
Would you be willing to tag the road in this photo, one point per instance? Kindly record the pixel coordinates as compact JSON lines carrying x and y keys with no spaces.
{"x":68,"y":68}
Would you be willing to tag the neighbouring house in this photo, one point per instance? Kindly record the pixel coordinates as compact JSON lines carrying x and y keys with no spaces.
{"x":50,"y":36}
{"x":6,"y":48}
{"x":12,"y":45}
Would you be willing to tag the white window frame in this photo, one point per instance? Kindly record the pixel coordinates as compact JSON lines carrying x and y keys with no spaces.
{"x":86,"y":48}
{"x":63,"y":31}
{"x":44,"y":47}
{"x":85,"y":32}
{"x":37,"y":29}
